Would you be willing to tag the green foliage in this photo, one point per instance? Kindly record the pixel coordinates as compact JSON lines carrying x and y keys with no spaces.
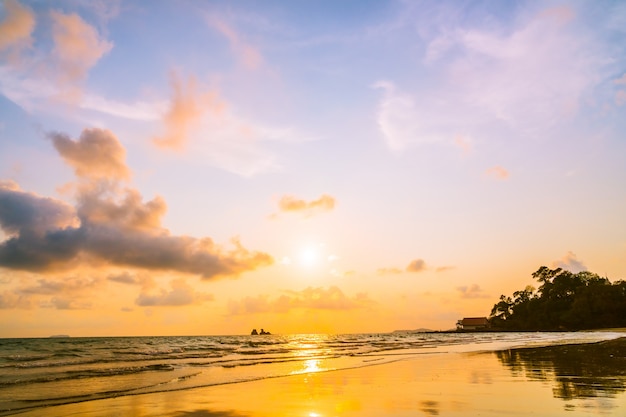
{"x":563,"y":301}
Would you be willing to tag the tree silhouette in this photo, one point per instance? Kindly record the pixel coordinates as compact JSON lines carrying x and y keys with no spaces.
{"x":563,"y":301}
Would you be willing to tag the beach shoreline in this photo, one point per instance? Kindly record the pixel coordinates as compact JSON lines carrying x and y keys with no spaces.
{"x":432,"y":383}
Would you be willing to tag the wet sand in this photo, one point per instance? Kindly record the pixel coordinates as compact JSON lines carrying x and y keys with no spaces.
{"x":572,"y":380}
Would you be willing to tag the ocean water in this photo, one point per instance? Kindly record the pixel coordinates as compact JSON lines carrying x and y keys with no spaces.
{"x":37,"y":373}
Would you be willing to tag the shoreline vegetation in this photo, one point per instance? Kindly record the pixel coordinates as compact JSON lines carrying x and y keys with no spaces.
{"x":564,"y":301}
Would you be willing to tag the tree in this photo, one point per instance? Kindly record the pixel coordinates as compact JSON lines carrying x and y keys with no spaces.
{"x":563,"y":301}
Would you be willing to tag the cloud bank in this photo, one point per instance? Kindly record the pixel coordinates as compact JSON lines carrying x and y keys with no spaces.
{"x":108,"y":225}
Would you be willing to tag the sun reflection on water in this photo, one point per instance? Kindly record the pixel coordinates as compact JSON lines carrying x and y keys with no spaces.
{"x":312,"y":365}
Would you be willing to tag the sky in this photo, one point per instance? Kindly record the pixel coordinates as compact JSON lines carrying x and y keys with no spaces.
{"x":209,"y":167}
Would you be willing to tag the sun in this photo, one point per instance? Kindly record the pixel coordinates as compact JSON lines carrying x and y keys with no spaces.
{"x":308,"y":256}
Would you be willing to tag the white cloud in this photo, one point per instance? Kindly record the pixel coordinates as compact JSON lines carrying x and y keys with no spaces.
{"x":528,"y":79}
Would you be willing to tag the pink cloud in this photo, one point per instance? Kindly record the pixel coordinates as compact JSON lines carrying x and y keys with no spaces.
{"x":249,"y":56}
{"x":497,"y":172}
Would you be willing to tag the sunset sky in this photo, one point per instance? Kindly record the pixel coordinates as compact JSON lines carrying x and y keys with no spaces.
{"x":209,"y":167}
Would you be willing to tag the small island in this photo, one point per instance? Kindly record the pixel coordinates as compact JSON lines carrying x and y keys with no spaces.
{"x":261,"y":333}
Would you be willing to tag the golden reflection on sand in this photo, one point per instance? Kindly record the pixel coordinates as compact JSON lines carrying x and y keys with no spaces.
{"x":450,"y":384}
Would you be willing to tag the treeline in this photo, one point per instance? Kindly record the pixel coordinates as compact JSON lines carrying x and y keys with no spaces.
{"x":563,"y":301}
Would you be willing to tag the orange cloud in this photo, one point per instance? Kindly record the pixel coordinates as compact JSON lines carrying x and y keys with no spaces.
{"x":181,"y":294}
{"x":16,"y":29}
{"x":290,"y":203}
{"x":463,"y":143}
{"x":386,"y":271}
{"x":10,"y":300}
{"x":187,"y":106}
{"x":67,"y":293}
{"x":310,"y":298}
{"x":416,"y":265}
{"x":96,"y":154}
{"x":497,"y":172}
{"x":77,"y":48}
{"x":249,"y":56}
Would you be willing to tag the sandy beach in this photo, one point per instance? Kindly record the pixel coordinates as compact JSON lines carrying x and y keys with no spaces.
{"x":586,"y":379}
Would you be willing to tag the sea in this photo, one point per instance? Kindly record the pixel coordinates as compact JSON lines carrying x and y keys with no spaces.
{"x":42,"y":372}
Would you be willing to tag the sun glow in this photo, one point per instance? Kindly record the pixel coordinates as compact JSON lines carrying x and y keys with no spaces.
{"x":309,"y":256}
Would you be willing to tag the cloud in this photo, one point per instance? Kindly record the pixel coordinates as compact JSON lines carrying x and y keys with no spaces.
{"x":497,"y":172}
{"x":201,"y":121}
{"x":570,"y":263}
{"x":527,"y":78}
{"x":63,"y":303}
{"x":96,"y":154}
{"x":37,"y":71}
{"x":107,"y":226}
{"x":77,"y":48}
{"x":387,"y":271}
{"x":66,"y":293}
{"x":123,"y":278}
{"x":416,"y":265}
{"x":620,"y":94}
{"x":311,"y":298}
{"x":473,"y":291}
{"x":444,"y":268}
{"x":11,"y":300}
{"x":17,"y":27}
{"x":27,"y":213}
{"x":181,"y":294}
{"x":289,"y":203}
{"x":247,"y":55}
{"x":188,"y":104}
{"x":144,"y":280}
{"x":399,"y":119}
{"x":463,"y":143}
